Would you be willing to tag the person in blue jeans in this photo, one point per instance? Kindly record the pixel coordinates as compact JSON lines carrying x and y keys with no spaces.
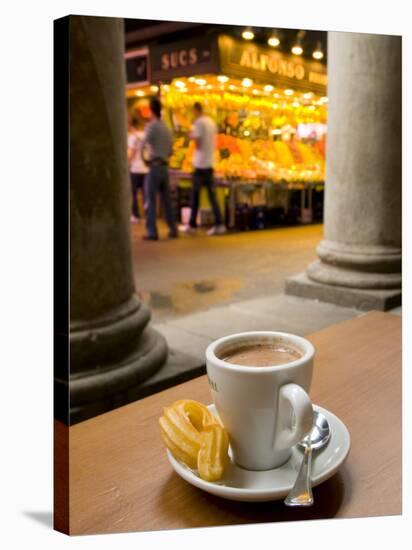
{"x":137,"y":168}
{"x":157,"y":141}
{"x":204,"y":135}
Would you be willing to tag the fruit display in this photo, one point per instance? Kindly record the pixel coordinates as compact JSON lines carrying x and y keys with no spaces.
{"x":242,"y":111}
{"x":257,"y":137}
{"x":268,"y":160}
{"x":195,"y":437}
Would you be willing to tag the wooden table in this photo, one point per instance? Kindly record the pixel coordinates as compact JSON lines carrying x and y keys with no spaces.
{"x":120,"y":479}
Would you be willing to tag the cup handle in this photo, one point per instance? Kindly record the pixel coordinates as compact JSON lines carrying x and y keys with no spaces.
{"x":288,"y":436}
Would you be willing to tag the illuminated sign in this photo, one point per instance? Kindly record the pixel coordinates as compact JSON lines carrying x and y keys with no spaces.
{"x":238,"y":59}
{"x":185,"y":58}
{"x":242,"y":60}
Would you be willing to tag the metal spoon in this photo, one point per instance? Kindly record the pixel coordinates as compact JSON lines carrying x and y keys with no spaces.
{"x":301,"y":493}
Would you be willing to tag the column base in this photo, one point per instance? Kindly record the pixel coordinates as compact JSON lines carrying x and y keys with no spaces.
{"x":178,"y":368}
{"x":362,"y":299}
{"x":357,"y":266}
{"x":104,"y":388}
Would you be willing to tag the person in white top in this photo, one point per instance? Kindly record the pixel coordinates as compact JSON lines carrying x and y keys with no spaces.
{"x":137,"y":168}
{"x":204,"y":135}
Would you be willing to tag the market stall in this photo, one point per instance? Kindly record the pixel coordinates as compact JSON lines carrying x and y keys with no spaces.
{"x":270,"y":109}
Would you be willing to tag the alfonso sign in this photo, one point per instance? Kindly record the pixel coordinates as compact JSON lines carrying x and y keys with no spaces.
{"x":249,"y":60}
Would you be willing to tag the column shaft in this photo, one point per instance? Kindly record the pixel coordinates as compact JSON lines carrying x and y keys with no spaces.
{"x":112,"y":349}
{"x":361,"y":249}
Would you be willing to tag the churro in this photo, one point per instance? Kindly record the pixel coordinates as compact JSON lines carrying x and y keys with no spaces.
{"x":195,"y":437}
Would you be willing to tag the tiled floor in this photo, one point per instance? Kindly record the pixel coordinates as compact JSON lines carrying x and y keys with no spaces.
{"x":196,"y":273}
{"x":200,"y":288}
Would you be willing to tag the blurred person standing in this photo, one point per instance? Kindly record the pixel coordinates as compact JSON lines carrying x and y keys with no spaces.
{"x":204,"y":135}
{"x":137,"y":168}
{"x":157,"y":140}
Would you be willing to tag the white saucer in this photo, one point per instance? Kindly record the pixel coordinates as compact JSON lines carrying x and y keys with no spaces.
{"x":252,"y":486}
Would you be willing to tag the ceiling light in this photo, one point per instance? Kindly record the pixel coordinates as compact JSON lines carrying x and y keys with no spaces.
{"x":247,"y":82}
{"x":297,"y":49}
{"x":222,"y":78}
{"x":273,"y":40}
{"x":154,"y":88}
{"x":200,"y":81}
{"x":140,"y":93}
{"x":296,"y":104}
{"x":297,"y":46}
{"x":318,"y":52}
{"x":289,"y":92}
{"x":308,"y":95}
{"x":179,"y":84}
{"x":276,"y":132}
{"x":246,"y":133}
{"x":248,"y":34}
{"x":268,"y":88}
{"x":166,"y":87}
{"x":232,"y":86}
{"x":324,"y":99}
{"x":191,"y":78}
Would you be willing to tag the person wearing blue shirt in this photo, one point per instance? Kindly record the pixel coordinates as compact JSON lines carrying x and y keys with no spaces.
{"x":157,"y":143}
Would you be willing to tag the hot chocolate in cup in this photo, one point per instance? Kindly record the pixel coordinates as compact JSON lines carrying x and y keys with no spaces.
{"x":259,"y":383}
{"x":261,"y":355}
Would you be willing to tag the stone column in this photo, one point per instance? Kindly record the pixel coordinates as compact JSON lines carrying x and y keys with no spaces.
{"x":112,"y":349}
{"x":360,"y":257}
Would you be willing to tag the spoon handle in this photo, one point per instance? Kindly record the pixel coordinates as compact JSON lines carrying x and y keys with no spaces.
{"x":301,"y":493}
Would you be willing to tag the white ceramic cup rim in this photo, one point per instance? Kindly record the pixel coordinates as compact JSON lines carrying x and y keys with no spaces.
{"x":300,"y":342}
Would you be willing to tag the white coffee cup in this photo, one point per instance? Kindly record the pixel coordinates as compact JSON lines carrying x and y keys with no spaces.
{"x":266,"y":410}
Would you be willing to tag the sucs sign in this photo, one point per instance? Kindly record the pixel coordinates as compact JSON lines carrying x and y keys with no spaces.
{"x":185,"y":58}
{"x":179,"y":58}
